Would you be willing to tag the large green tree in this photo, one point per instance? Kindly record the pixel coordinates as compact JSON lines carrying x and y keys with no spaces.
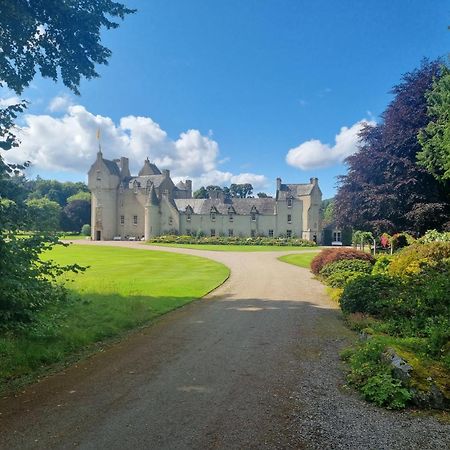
{"x":435,"y":137}
{"x":59,"y":39}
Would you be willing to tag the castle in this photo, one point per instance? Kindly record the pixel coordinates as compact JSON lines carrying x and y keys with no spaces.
{"x":150,"y":204}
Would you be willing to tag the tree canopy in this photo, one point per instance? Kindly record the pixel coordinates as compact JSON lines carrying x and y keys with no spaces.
{"x":385,"y":190}
{"x":435,"y":137}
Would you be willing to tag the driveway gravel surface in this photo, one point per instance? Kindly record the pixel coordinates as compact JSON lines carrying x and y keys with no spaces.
{"x":254,"y":365}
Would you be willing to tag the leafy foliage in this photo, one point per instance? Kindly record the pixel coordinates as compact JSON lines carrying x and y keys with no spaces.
{"x":435,"y":137}
{"x":330,"y":255}
{"x":384,"y":189}
{"x":44,"y":214}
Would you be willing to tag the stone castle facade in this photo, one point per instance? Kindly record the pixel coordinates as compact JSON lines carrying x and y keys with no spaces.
{"x":150,"y":204}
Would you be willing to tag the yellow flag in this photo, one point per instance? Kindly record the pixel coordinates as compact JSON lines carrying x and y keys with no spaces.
{"x":98,"y":134}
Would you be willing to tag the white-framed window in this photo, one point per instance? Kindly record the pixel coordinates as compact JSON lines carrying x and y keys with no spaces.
{"x":270,"y":233}
{"x":289,"y":218}
{"x":230,"y":232}
{"x":288,"y":233}
{"x":289,"y":202}
{"x":122,"y":220}
{"x":188,"y":217}
{"x":213,"y":216}
{"x":253,"y":233}
{"x":213,"y":232}
{"x":253,"y":216}
{"x":135,"y":220}
{"x":337,"y":236}
{"x":230,"y":217}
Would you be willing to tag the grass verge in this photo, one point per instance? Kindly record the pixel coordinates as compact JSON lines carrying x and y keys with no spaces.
{"x":123,"y":289}
{"x":301,"y":259}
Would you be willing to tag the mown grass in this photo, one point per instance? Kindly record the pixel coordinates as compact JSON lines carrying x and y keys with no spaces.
{"x":299,"y":259}
{"x":121,"y":290}
{"x":235,"y":248}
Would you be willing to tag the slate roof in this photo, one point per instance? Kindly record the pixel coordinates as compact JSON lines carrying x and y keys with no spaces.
{"x":142,"y":180}
{"x":112,"y":167}
{"x":180,"y":185}
{"x":149,"y":169}
{"x":294,"y":190}
{"x":242,"y":206}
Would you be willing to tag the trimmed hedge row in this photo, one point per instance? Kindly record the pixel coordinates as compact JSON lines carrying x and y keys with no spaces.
{"x":220,"y":240}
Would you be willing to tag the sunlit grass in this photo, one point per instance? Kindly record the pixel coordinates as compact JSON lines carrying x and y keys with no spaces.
{"x":299,"y":259}
{"x":121,"y":290}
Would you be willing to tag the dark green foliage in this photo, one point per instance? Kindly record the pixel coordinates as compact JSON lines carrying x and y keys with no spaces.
{"x":44,"y":215}
{"x":381,"y":265}
{"x":435,"y":137}
{"x":77,"y":213}
{"x":27,"y":284}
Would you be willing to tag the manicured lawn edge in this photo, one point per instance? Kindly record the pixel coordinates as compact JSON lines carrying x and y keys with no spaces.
{"x":302,"y":260}
{"x":236,"y":248}
{"x":12,"y":385}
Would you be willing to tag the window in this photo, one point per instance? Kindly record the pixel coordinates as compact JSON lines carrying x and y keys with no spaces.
{"x":289,"y":218}
{"x":270,"y":233}
{"x":213,"y":232}
{"x":188,"y":217}
{"x":230,"y":217}
{"x":230,"y":233}
{"x":253,"y":216}
{"x":337,"y":236}
{"x":99,"y":178}
{"x":253,"y":233}
{"x":170,"y":221}
{"x":288,"y":233}
{"x":213,"y":216}
{"x":135,"y":220}
{"x":122,"y":220}
{"x":289,"y":202}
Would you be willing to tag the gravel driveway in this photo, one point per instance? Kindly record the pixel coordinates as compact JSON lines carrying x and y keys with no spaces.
{"x":254,"y":365}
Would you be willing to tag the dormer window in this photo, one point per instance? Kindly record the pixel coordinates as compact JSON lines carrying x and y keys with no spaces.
{"x":135,"y":187}
{"x":188,"y":217}
{"x":289,"y":202}
{"x":253,"y":214}
{"x":213,"y":216}
{"x":231,"y":213}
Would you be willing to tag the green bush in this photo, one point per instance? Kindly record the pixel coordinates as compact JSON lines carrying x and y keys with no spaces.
{"x":340,"y":279}
{"x":435,"y":236}
{"x":373,"y":377}
{"x":346,"y":265}
{"x":372,"y":294}
{"x":86,"y":230}
{"x":381,"y":266}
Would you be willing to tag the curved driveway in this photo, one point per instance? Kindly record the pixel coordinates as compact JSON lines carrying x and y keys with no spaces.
{"x":253,"y":365}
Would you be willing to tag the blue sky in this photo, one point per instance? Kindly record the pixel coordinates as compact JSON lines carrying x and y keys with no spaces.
{"x":252,"y":79}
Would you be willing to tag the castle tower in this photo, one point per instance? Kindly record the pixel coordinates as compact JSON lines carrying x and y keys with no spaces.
{"x":103,"y":181}
{"x":152,"y":216}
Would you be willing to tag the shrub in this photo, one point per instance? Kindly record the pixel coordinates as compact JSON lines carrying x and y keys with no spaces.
{"x":433,"y":236}
{"x":381,"y":265}
{"x":412,"y":259}
{"x":373,"y":377}
{"x":331,"y":255}
{"x":346,"y":265}
{"x":340,"y":279}
{"x":86,"y":230}
{"x":400,"y":240}
{"x":369,"y":294}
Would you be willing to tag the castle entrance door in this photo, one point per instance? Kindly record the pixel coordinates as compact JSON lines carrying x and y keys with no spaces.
{"x":98,"y":236}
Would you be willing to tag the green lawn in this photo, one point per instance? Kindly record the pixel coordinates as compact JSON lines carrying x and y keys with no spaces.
{"x":236,"y":248}
{"x":122,"y":289}
{"x":301,"y":260}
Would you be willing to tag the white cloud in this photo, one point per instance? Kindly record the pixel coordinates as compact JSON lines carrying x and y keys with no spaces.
{"x":314,"y":154}
{"x":60,"y":103}
{"x":68,"y":143}
{"x":8,"y":101}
